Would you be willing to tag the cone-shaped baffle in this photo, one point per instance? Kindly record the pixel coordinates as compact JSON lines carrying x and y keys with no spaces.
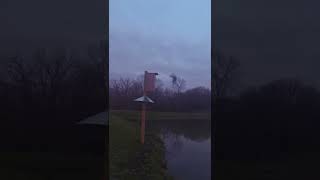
{"x":144,"y":99}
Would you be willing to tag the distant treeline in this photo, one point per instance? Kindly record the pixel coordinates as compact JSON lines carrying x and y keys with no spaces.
{"x":52,"y":87}
{"x":123,"y":91}
{"x":276,"y":120}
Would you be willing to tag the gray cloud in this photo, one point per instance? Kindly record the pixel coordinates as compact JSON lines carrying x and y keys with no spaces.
{"x":131,"y":53}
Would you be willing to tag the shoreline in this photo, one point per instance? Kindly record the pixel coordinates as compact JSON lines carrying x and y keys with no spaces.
{"x":130,"y":159}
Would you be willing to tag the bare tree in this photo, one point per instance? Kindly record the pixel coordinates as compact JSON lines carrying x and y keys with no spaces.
{"x":178,"y":83}
{"x":223,"y":68}
{"x":124,"y":90}
{"x":103,"y":58}
{"x":39,"y":80}
{"x":125,"y":86}
{"x":98,"y":56}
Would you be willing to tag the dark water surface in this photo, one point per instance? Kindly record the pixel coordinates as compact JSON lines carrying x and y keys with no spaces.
{"x":188,"y":147}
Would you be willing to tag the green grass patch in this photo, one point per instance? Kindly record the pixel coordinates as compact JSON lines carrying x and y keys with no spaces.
{"x":123,"y":143}
{"x":154,"y":115}
{"x":128,"y":158}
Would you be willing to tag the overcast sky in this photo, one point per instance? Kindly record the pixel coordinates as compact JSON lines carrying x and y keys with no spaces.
{"x":167,"y":36}
{"x":272,"y":39}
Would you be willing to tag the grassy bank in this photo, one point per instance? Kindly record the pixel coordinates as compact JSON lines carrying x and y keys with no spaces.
{"x":251,"y":170}
{"x":42,"y":166}
{"x":52,"y":153}
{"x":128,"y":158}
{"x":153,"y":115}
{"x":293,"y":169}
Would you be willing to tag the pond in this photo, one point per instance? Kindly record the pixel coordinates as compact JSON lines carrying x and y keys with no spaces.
{"x":188,"y":147}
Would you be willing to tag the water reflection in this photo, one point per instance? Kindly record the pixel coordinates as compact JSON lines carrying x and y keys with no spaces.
{"x":172,"y":141}
{"x":188,"y":146}
{"x":195,"y":130}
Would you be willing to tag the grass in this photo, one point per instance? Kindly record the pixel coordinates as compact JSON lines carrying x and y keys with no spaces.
{"x":274,"y":170}
{"x":123,"y":143}
{"x":296,"y":167}
{"x":250,"y":170}
{"x":153,"y":115}
{"x":49,"y":154}
{"x":128,"y":158}
{"x":47,"y":165}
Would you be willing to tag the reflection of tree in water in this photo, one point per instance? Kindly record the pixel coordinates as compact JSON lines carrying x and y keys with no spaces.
{"x":173,"y":132}
{"x":195,"y":130}
{"x":173,"y":142}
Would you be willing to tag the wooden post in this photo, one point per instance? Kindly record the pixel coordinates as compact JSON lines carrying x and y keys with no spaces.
{"x":148,"y":86}
{"x":143,"y":112}
{"x":143,"y":122}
